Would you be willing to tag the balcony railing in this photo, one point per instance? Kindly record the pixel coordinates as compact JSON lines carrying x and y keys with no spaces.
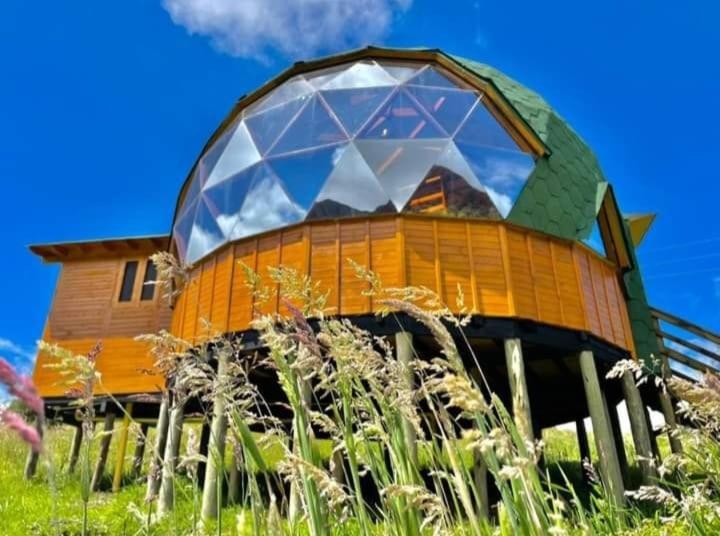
{"x":688,"y":349}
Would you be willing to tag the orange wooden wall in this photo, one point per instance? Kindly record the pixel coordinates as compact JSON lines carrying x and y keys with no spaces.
{"x":86,"y":310}
{"x":503,"y":270}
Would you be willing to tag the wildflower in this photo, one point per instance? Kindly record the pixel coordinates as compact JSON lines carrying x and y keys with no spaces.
{"x":462,"y":394}
{"x":27,"y":433}
{"x":625,"y":365}
{"x":21,"y":387}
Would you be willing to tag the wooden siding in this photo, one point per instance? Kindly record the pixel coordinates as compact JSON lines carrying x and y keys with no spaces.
{"x":86,"y":310}
{"x":501,"y":269}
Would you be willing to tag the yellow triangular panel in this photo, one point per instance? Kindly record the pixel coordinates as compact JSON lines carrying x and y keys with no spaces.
{"x":639,"y":226}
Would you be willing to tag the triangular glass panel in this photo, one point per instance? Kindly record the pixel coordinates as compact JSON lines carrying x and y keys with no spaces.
{"x":183,"y":228}
{"x":205,"y":235}
{"x":400,"y":165}
{"x":313,"y":127}
{"x":266,"y":127}
{"x":594,"y":240}
{"x":429,"y":76}
{"x":303,"y":174}
{"x":401,"y":117}
{"x":267,"y":206}
{"x":361,"y":74}
{"x":294,"y":88}
{"x":318,"y":79}
{"x":354,"y":107}
{"x":401,"y":71}
{"x":192,"y":191}
{"x":239,"y":153}
{"x":449,"y":107}
{"x":450,"y":187}
{"x":226,"y":198}
{"x":502,"y":173}
{"x":351,"y":189}
{"x":481,"y":128}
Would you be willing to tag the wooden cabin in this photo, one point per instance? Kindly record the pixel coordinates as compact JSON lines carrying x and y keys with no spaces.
{"x":429,"y":169}
{"x":102,"y":295}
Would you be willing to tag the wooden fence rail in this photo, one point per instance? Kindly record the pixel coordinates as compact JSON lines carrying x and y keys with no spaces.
{"x":699,"y":354}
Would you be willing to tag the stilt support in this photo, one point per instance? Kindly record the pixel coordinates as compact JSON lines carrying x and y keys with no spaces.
{"x":215,"y":468}
{"x":668,"y":411}
{"x":602,"y":430}
{"x":639,"y":427}
{"x":107,"y":432}
{"x":33,"y":456}
{"x":75,"y":448}
{"x":619,"y":441}
{"x":122,"y":449}
{"x":518,"y":388}
{"x":583,"y":445}
{"x":156,"y":465}
{"x":480,"y":477}
{"x":404,"y":349}
{"x":139,"y":454}
{"x":166,"y":498}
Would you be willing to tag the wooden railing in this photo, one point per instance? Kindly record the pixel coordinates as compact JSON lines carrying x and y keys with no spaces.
{"x":687,"y":349}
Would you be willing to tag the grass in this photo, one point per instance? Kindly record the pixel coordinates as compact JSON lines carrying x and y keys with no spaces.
{"x":34,"y":507}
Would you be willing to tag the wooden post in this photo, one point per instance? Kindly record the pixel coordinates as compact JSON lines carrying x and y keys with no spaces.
{"x":481,"y":485}
{"x":33,"y":457}
{"x":668,"y":410}
{"x":215,"y":468}
{"x":338,"y":467}
{"x":619,"y":441}
{"x":518,"y":388}
{"x":122,"y":448}
{"x":75,"y":448}
{"x":203,"y":451}
{"x":638,"y":425}
{"x":404,"y":350}
{"x":166,"y":498}
{"x":234,"y":480}
{"x":602,"y":430}
{"x":108,"y":425}
{"x":139,"y":453}
{"x":582,"y":438}
{"x":156,"y":465}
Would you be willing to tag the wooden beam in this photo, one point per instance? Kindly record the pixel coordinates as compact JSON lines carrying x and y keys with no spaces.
{"x":109,"y":424}
{"x":691,"y":346}
{"x":638,"y":425}
{"x":602,"y":429}
{"x":684,"y":324}
{"x":139,"y":454}
{"x":122,"y":448}
{"x":215,"y":468}
{"x":156,"y":464}
{"x":75,"y":448}
{"x":518,"y":388}
{"x":166,"y":498}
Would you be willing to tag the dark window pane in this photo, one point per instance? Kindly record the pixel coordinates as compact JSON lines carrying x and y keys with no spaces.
{"x":128,"y":282}
{"x":148,"y":288}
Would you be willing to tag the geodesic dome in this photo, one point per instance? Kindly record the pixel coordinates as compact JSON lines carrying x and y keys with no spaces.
{"x":360,"y":138}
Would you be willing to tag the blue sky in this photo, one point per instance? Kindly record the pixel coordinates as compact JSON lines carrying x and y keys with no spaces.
{"x":103,"y":111}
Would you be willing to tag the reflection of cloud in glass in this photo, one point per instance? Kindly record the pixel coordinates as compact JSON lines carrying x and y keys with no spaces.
{"x":502,"y":202}
{"x":352,"y":182}
{"x":506,"y":172}
{"x":201,"y":242}
{"x":266,"y":206}
{"x":361,"y":75}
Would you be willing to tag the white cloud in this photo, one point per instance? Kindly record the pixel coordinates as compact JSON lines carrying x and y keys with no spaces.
{"x":294,"y":28}
{"x":22,"y":358}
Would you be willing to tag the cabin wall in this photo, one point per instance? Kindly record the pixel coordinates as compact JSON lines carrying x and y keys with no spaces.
{"x":86,"y":310}
{"x":498,"y":269}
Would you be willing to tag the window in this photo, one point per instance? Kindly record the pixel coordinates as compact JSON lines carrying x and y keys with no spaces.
{"x":148,"y":289}
{"x":128,"y":281}
{"x":607,"y":236}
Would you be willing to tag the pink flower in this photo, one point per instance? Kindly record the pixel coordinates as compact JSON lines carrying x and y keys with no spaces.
{"x":21,"y":387}
{"x":26,"y":432}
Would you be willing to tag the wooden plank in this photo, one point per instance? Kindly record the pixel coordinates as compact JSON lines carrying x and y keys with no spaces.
{"x":690,"y":346}
{"x":687,"y":326}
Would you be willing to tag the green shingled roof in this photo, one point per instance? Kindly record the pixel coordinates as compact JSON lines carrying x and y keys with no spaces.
{"x":564,"y":192}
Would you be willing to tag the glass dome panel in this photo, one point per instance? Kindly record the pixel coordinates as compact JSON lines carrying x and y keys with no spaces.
{"x":368,"y":137}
